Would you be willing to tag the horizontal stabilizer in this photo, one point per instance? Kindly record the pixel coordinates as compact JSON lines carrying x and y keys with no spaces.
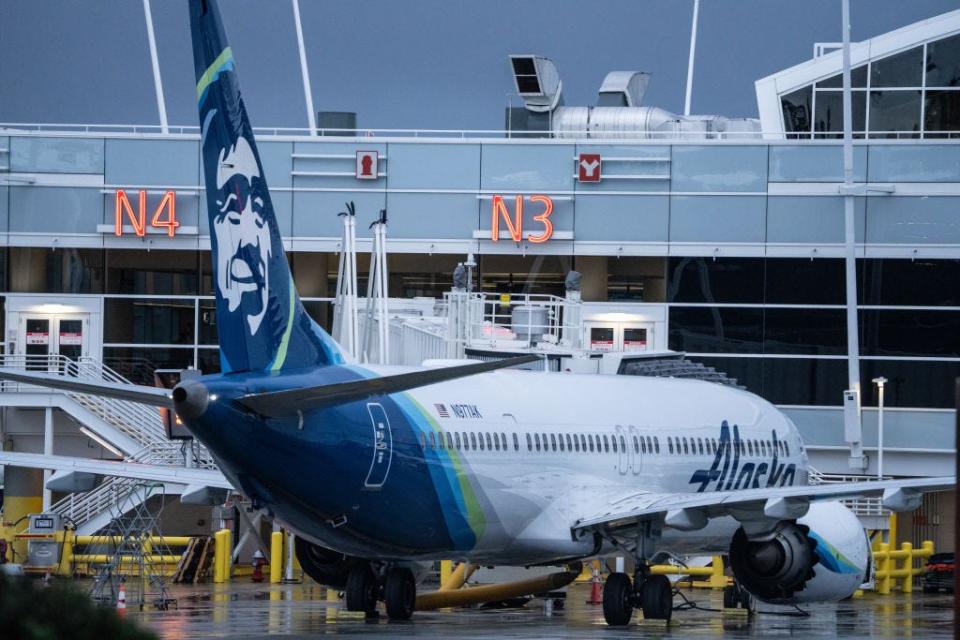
{"x":275,"y":404}
{"x":132,"y":392}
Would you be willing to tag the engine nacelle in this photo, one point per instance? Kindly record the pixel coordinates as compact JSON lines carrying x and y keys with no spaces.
{"x":325,"y":566}
{"x":823,"y":556}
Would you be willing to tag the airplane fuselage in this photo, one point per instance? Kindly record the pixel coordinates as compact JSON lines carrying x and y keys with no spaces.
{"x":495,"y":467}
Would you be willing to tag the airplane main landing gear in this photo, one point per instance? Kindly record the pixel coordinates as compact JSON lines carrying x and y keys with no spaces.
{"x":397,"y":588}
{"x":651,"y":594}
{"x":362,"y":589}
{"x":400,"y":593}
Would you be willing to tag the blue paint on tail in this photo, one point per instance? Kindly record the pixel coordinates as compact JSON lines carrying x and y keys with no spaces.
{"x":261,"y":322}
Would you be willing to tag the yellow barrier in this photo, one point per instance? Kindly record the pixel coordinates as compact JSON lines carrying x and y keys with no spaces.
{"x":170,"y":541}
{"x":887,"y":559}
{"x":221,"y":556}
{"x":714,"y":573}
{"x":276,"y":557}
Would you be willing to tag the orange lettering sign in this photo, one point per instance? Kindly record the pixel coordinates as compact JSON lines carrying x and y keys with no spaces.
{"x":124,"y":210}
{"x":499,"y":211}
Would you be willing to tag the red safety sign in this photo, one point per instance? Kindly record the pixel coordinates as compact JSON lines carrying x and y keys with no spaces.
{"x":367,"y":165}
{"x":588,"y":167}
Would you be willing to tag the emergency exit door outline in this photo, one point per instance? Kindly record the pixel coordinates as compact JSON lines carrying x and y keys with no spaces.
{"x":589,"y":167}
{"x":367,"y":163}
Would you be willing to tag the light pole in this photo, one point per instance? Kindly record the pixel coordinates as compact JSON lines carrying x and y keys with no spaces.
{"x":879,"y":382}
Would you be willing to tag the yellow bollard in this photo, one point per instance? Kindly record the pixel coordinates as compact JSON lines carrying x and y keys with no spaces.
{"x":446,"y":570}
{"x":907,"y":584}
{"x":717,"y":579}
{"x":892,"y":532}
{"x":883,"y":584}
{"x":221,"y":556}
{"x":276,"y":557}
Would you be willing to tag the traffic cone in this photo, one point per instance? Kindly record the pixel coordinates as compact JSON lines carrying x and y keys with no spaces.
{"x":122,"y":599}
{"x":596,"y":589}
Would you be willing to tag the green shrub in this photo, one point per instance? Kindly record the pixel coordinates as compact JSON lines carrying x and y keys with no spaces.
{"x":36,"y":611}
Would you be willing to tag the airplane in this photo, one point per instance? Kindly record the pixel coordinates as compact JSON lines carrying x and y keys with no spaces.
{"x":378,"y":468}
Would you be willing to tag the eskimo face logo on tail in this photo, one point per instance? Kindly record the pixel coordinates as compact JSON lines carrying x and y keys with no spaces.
{"x":242,"y":233}
{"x":728,"y":474}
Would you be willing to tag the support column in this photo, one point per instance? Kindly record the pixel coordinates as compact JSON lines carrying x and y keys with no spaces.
{"x":594,"y":270}
{"x":47,"y":451}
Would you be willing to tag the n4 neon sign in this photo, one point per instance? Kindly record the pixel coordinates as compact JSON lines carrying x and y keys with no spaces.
{"x":500,"y":211}
{"x":164,"y":216}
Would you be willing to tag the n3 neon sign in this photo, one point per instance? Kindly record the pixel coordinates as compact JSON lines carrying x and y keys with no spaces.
{"x":514,"y":223}
{"x":164,"y":216}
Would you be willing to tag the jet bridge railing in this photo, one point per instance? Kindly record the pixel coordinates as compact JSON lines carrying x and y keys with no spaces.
{"x":511,"y":320}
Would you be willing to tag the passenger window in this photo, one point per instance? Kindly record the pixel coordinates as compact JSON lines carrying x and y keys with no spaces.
{"x":496,"y":442}
{"x":686,"y":449}
{"x":656,"y":444}
{"x":516,"y":443}
{"x":576,"y":443}
{"x":536,"y":440}
{"x":529,"y":443}
{"x":489,"y":448}
{"x":636,"y":445}
{"x":590,"y":442}
{"x":583,"y":443}
{"x":643,"y":444}
{"x":670,"y":443}
{"x":569,"y":444}
{"x":423,"y":440}
{"x":456,"y":437}
{"x":473,"y":441}
{"x":560,"y":442}
{"x":433,"y":442}
{"x":553,"y":442}
{"x":503,"y":441}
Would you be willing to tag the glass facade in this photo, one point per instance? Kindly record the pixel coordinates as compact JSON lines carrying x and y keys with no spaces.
{"x":910,"y":94}
{"x":778,"y":325}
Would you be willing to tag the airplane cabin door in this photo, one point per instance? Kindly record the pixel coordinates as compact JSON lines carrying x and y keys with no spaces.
{"x":633,"y":446}
{"x":623,"y":454}
{"x":382,"y":447}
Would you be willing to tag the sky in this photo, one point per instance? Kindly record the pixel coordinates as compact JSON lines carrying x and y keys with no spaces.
{"x":417,"y":64}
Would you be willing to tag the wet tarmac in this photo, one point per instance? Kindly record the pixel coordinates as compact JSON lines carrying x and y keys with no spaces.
{"x":245,"y":610}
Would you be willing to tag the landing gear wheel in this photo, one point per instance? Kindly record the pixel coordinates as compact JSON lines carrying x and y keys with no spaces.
{"x":361,"y":589}
{"x":656,"y":598}
{"x":400,"y":593}
{"x":618,"y":600}
{"x":736,"y":597}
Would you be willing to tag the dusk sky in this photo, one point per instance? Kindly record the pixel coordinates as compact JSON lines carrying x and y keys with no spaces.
{"x":427,"y":64}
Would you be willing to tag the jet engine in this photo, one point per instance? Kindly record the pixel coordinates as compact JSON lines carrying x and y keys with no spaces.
{"x":325,"y":566}
{"x":823,"y":556}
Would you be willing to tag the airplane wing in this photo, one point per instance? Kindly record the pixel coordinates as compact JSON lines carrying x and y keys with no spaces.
{"x":134,"y":392}
{"x":151,"y":472}
{"x":287,"y":402}
{"x":691,"y":511}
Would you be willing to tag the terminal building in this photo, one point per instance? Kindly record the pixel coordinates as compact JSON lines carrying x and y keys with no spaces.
{"x":720,"y":238}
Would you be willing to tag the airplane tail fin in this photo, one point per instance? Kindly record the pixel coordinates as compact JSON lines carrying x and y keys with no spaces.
{"x":261,"y":323}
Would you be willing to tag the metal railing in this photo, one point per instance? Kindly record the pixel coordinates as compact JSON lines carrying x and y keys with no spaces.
{"x":141,"y":423}
{"x":332,"y":134}
{"x":862,"y":507}
{"x":513,"y":321}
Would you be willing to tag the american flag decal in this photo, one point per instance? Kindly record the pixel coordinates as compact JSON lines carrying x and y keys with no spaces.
{"x":442,"y":410}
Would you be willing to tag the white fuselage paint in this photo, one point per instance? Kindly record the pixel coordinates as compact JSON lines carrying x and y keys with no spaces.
{"x":531,"y":497}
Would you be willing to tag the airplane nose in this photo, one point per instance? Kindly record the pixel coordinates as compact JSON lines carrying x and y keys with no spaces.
{"x":190,"y":399}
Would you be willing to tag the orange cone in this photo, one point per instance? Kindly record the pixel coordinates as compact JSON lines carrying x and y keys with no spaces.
{"x":596,"y":589}
{"x":122,"y":599}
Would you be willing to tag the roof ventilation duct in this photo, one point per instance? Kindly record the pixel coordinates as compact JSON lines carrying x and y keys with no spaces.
{"x":618,"y":114}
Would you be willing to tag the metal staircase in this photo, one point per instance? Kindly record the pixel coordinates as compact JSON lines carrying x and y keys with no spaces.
{"x":139,"y":424}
